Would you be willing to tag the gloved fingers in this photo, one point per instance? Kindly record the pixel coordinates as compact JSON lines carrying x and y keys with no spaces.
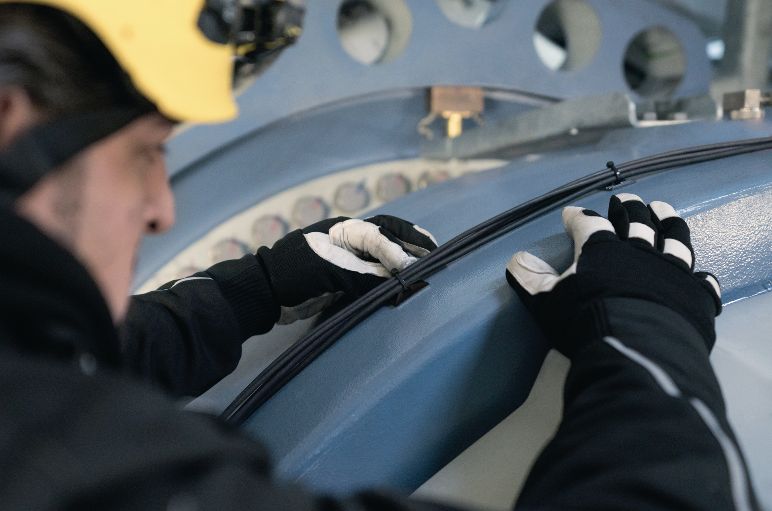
{"x":582,"y":224}
{"x":631,"y":219}
{"x":365,"y":239}
{"x":710,"y":283}
{"x":412,"y":238}
{"x":323,"y":245}
{"x":673,"y":236}
{"x":532,"y":274}
{"x":324,"y":225}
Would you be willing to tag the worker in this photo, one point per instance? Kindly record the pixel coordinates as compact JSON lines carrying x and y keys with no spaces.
{"x":89,"y":92}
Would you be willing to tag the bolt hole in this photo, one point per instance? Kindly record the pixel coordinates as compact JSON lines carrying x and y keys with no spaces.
{"x":567,"y":35}
{"x":471,"y":13}
{"x":654,"y":63}
{"x":374,"y":31}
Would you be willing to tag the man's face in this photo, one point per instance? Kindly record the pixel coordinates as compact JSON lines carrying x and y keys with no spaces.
{"x":105,"y":201}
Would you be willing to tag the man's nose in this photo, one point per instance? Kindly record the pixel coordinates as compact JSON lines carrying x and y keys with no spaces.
{"x":160,"y":210}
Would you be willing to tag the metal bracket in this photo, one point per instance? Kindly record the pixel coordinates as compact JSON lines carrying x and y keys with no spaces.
{"x":551,"y":124}
{"x":454,"y":105}
{"x":745,"y":105}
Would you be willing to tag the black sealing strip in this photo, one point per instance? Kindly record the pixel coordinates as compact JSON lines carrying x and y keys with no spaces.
{"x":305,"y":350}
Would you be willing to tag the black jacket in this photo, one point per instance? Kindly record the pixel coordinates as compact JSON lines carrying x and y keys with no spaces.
{"x":81,"y":427}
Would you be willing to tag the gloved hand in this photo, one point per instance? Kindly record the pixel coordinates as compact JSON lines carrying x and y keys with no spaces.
{"x":311,"y":268}
{"x":639,"y":252}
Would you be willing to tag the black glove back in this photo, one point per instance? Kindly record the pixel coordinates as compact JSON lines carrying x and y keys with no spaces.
{"x":311,"y":268}
{"x":641,"y":252}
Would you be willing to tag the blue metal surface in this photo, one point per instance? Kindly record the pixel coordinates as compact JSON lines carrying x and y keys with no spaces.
{"x":404,"y":392}
{"x":540,"y":172}
{"x":317,"y":110}
{"x":411,"y":387}
{"x":290,"y":152}
{"x":742,"y":359}
{"x":490,"y":473}
{"x":317,"y":71}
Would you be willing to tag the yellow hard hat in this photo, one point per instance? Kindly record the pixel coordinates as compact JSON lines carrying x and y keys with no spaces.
{"x":183,"y":56}
{"x":160,"y":45}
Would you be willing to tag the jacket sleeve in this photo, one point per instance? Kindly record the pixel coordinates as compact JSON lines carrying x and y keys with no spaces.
{"x":644,"y":424}
{"x":187,"y":335}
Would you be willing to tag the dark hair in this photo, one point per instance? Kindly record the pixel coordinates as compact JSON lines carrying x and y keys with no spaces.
{"x":59,"y":62}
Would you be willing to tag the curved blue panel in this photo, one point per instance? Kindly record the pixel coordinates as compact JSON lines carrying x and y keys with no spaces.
{"x":317,"y":110}
{"x":293,"y":151}
{"x":317,"y":71}
{"x":742,"y":359}
{"x":407,"y":390}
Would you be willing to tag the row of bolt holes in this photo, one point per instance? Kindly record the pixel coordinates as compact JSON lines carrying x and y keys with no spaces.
{"x":566,"y":38}
{"x":349,"y":198}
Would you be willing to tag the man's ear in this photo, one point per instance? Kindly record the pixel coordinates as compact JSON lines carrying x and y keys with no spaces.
{"x":17,"y":114}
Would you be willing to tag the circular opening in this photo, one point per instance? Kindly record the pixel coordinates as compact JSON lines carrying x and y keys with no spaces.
{"x":392,"y":186}
{"x":567,"y":35}
{"x":351,"y":197}
{"x":433,"y":177}
{"x":309,"y":210}
{"x":268,"y":229}
{"x":374,"y":31}
{"x":654,"y":63}
{"x":471,"y":13}
{"x":229,"y":248}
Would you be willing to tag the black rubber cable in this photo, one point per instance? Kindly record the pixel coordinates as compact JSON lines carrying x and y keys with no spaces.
{"x":305,"y":350}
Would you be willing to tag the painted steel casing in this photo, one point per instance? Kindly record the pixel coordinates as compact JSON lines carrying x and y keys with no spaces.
{"x":407,"y":390}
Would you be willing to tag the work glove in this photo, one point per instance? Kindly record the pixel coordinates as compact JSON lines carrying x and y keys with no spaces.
{"x":311,"y":268}
{"x":638,"y":252}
